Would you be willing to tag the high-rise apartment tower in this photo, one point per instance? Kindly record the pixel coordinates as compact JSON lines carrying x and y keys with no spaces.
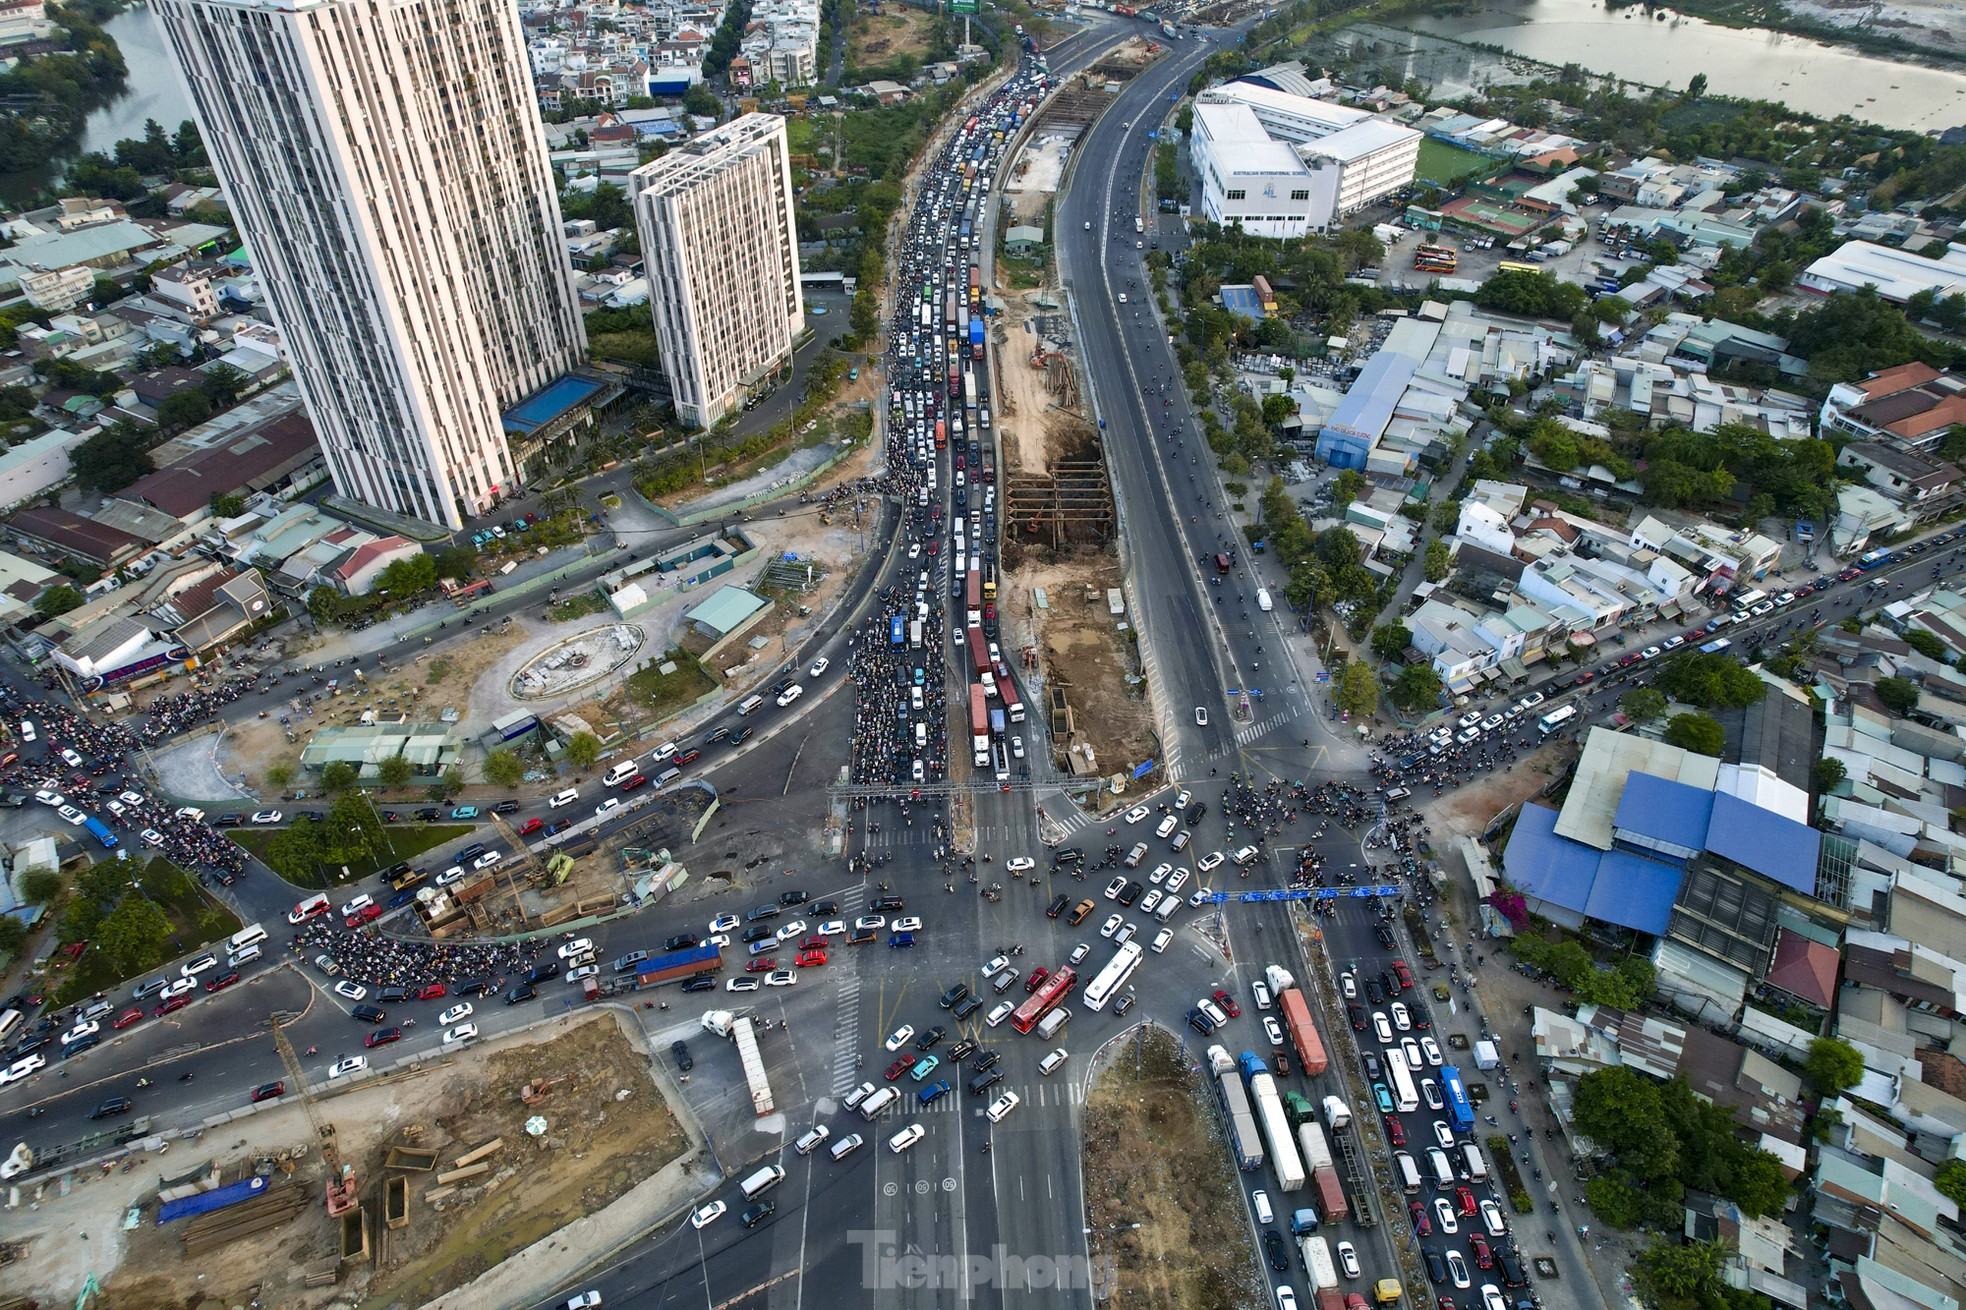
{"x":386,"y":165}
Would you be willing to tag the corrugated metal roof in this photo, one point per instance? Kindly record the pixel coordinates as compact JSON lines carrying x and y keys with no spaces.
{"x":1660,"y":814}
{"x":1633,"y":892}
{"x":1773,"y":846}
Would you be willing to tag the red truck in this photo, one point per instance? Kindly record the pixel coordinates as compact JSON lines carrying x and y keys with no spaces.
{"x":1303,"y":1033}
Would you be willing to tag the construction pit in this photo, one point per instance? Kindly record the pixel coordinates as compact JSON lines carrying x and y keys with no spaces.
{"x":479,"y":1176}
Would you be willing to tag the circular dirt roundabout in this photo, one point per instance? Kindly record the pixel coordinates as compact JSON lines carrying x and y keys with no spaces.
{"x":577,"y":661}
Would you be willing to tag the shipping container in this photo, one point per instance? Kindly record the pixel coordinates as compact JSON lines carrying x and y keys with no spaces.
{"x":1331,"y":1196}
{"x":1303,"y":1032}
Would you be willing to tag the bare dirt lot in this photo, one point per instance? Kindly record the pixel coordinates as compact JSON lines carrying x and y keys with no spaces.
{"x":878,"y":38}
{"x":1037,"y":404}
{"x":607,"y":1130}
{"x":1154,"y":1156}
{"x":1082,"y":653}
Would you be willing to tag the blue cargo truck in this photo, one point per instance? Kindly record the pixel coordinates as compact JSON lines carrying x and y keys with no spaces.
{"x":100,"y":831}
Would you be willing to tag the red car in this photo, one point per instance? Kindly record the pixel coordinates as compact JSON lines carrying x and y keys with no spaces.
{"x":934,"y":545}
{"x":1466,"y":1199}
{"x":128,"y":1017}
{"x":223,"y":981}
{"x":383,"y":1036}
{"x":1404,"y":974}
{"x":1036,"y":980}
{"x":1582,"y":678}
{"x":531,"y":826}
{"x":639,"y":780}
{"x":810,"y":959}
{"x":175,"y":1003}
{"x":1395,"y":1133}
{"x":1421,"y":1224}
{"x":1484,"y":1256}
{"x":1228,"y":1004}
{"x":367,"y":914}
{"x":813,"y":944}
{"x":900,"y":1066}
{"x":763,"y":964}
{"x":432,"y":992}
{"x":268,"y":1092}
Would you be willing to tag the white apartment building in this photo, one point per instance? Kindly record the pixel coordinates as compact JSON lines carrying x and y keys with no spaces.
{"x":1283,"y":165}
{"x":386,"y":165}
{"x":722,"y":259}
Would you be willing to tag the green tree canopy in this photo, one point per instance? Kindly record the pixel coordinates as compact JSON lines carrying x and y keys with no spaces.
{"x":338,"y":776}
{"x":1533,"y":295}
{"x":1699,"y":733}
{"x":1416,"y":689}
{"x":395,"y":771}
{"x":1898,"y":694}
{"x":583,"y":750}
{"x":1358,"y":690}
{"x":1389,"y":642}
{"x":1711,"y":681}
{"x":1951,"y":1180}
{"x":133,"y":934}
{"x":1439,"y":560}
{"x":504,"y":769}
{"x":58,"y":599}
{"x":1827,"y":772}
{"x":113,"y":458}
{"x":1643,"y":704}
{"x":1833,"y":1065}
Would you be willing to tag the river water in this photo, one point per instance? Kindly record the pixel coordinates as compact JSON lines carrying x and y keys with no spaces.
{"x":153,"y":90}
{"x":1663,"y":48}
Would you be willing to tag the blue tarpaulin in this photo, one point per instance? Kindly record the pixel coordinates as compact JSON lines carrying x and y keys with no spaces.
{"x":206,"y":1202}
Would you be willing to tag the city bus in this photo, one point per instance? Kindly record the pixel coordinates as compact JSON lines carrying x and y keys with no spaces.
{"x":1871,"y":559}
{"x":1516,"y":266}
{"x":1459,"y":1112}
{"x":1111,"y":978}
{"x":1406,"y":1098}
{"x":1055,"y":989}
{"x":897,"y":635}
{"x":1555,"y":719}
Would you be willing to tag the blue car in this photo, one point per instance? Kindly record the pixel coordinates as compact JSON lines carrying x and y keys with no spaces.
{"x":465,"y":812}
{"x":1383,"y":1097}
{"x":933,"y":1092}
{"x":901,"y":941}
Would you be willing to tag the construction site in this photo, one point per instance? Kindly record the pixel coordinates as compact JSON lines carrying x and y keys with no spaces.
{"x":394,"y":1192}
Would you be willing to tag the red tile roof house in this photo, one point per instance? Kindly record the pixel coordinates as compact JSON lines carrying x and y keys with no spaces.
{"x":356,"y":574}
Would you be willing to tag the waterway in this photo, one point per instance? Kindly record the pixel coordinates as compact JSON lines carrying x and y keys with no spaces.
{"x":152,"y":90}
{"x":1664,"y":48}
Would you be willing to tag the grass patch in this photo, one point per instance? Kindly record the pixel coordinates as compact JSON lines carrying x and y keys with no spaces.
{"x":195,"y":920}
{"x":440,"y":668}
{"x":407,"y":840}
{"x":577,"y":607}
{"x":664,"y":694}
{"x":1441,"y":163}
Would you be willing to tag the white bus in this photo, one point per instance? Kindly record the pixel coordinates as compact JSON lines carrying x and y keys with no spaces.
{"x":1406,"y":1099}
{"x":1111,"y":978}
{"x":1555,"y":719}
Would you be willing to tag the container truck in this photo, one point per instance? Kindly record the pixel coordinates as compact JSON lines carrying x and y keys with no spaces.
{"x":1331,"y":1196}
{"x":954,"y":304}
{"x":737,"y":1027}
{"x":678,"y":964}
{"x":976,"y":338}
{"x":979,"y":726}
{"x":1303,"y":1220}
{"x":1317,"y":1152}
{"x":1012,"y":701}
{"x":1243,"y":1136}
{"x":1303,"y":1033}
{"x":979,"y":655}
{"x":1323,"y":1270}
{"x":1284,"y":1158}
{"x":969,"y":388}
{"x":1337,"y":1115}
{"x":1486,"y":1056}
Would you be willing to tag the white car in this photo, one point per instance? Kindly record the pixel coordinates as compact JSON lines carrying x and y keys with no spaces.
{"x":1177,"y":881}
{"x":781,"y":978}
{"x":724,"y":923}
{"x":152,"y":836}
{"x":602,"y":810}
{"x":1161,"y":939}
{"x":908,"y":924}
{"x":578,"y":946}
{"x":705,"y":1215}
{"x":1201,"y":717}
{"x":901,"y":1037}
{"x":791,"y":694}
{"x":1532,"y":700}
{"x":720,"y":940}
{"x":1122,"y":297}
{"x":178,"y":987}
{"x":1348,"y":1259}
{"x":1111,"y":926}
{"x":48,"y":797}
{"x":831,"y":928}
{"x":1137,"y":813}
{"x":356,"y":906}
{"x":134,"y":798}
{"x":1401,"y":1019}
{"x":72,"y":814}
{"x":73,"y":760}
{"x":86,"y":1028}
{"x":192,"y":968}
{"x":116,"y":808}
{"x":583,"y":973}
{"x":1491,"y":1219}
{"x":819,"y":666}
{"x":998,"y":1015}
{"x":567,"y":797}
{"x":1348,"y":985}
{"x":1431,"y":1049}
{"x":1457,"y":1266}
{"x":1491,"y":1297}
{"x":1411,"y":1050}
{"x":744,"y":982}
{"x":1166,"y":827}
{"x":190,"y":812}
{"x":488,"y":859}
{"x":450,"y":875}
{"x":27,"y":730}
{"x":1016,"y":748}
{"x":1160,"y":871}
{"x":23,"y":1067}
{"x":267,"y":816}
{"x":1444,"y":1217}
{"x":791,"y":930}
{"x":997,"y":964}
{"x":1273,"y":1031}
{"x":353,"y":1064}
{"x":1153,"y":898}
{"x":1443,"y":1134}
{"x":1019,"y":863}
{"x":1115,"y":887}
{"x":588,"y":1300}
{"x":1079,"y":952}
{"x":352,"y":991}
{"x":1210,"y":862}
{"x":906,"y":1138}
{"x":464,"y":1032}
{"x":462,"y":1010}
{"x":1380,"y":1026}
{"x":870,"y":922}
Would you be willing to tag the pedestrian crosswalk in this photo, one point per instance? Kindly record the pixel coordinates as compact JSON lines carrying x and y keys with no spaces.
{"x":1263,"y":727}
{"x":846,"y":1023}
{"x":1046,"y":1093}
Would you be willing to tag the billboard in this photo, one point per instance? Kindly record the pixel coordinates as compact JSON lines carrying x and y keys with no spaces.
{"x":963,"y":6}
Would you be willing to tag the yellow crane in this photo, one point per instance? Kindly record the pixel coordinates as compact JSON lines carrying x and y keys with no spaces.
{"x":341,"y":1176}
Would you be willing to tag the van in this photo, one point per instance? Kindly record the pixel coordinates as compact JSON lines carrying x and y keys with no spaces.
{"x":311,"y":908}
{"x":1261,"y":1201}
{"x":251,"y":935}
{"x":748,"y":704}
{"x":1048,"y":1028}
{"x":762,"y":1181}
{"x":664,"y":778}
{"x":620,"y":773}
{"x":1443,"y":1168}
{"x":237,"y":958}
{"x":1477,"y":1165}
{"x":1165,"y":910}
{"x":1409,"y":1173}
{"x":871,"y":1108}
{"x":10,"y":1023}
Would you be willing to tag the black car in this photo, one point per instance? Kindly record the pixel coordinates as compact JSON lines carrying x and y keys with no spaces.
{"x":1194,"y":814}
{"x":766,"y":911}
{"x":1274,"y":1248}
{"x":888,"y":903}
{"x":1374,"y":992}
{"x":753,"y":1215}
{"x":717,"y":735}
{"x":789,"y":899}
{"x":505,"y":807}
{"x":396,"y":870}
{"x":546,"y":972}
{"x":430,"y":814}
{"x":473,"y":987}
{"x":826,"y":909}
{"x":680,"y":1051}
{"x":984,"y":1081}
{"x":1057,"y":906}
{"x":523,"y":992}
{"x":226,"y":821}
{"x":471,"y":852}
{"x":1067,"y":855}
{"x":1372,"y":1067}
{"x":1357,"y":1015}
{"x":1436,"y":1267}
{"x":960,"y":1051}
{"x":985,"y":1061}
{"x":115,"y":1105}
{"x":757,"y":934}
{"x":391,"y":994}
{"x":967,"y":1006}
{"x":1422,"y":1019}
{"x":681,"y":941}
{"x":954,"y":995}
{"x":369,"y":1013}
{"x":1123,"y":1004}
{"x":80,"y":1045}
{"x":1385,"y":936}
{"x":702,"y":982}
{"x":930,"y":1038}
{"x":1130,"y":893}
